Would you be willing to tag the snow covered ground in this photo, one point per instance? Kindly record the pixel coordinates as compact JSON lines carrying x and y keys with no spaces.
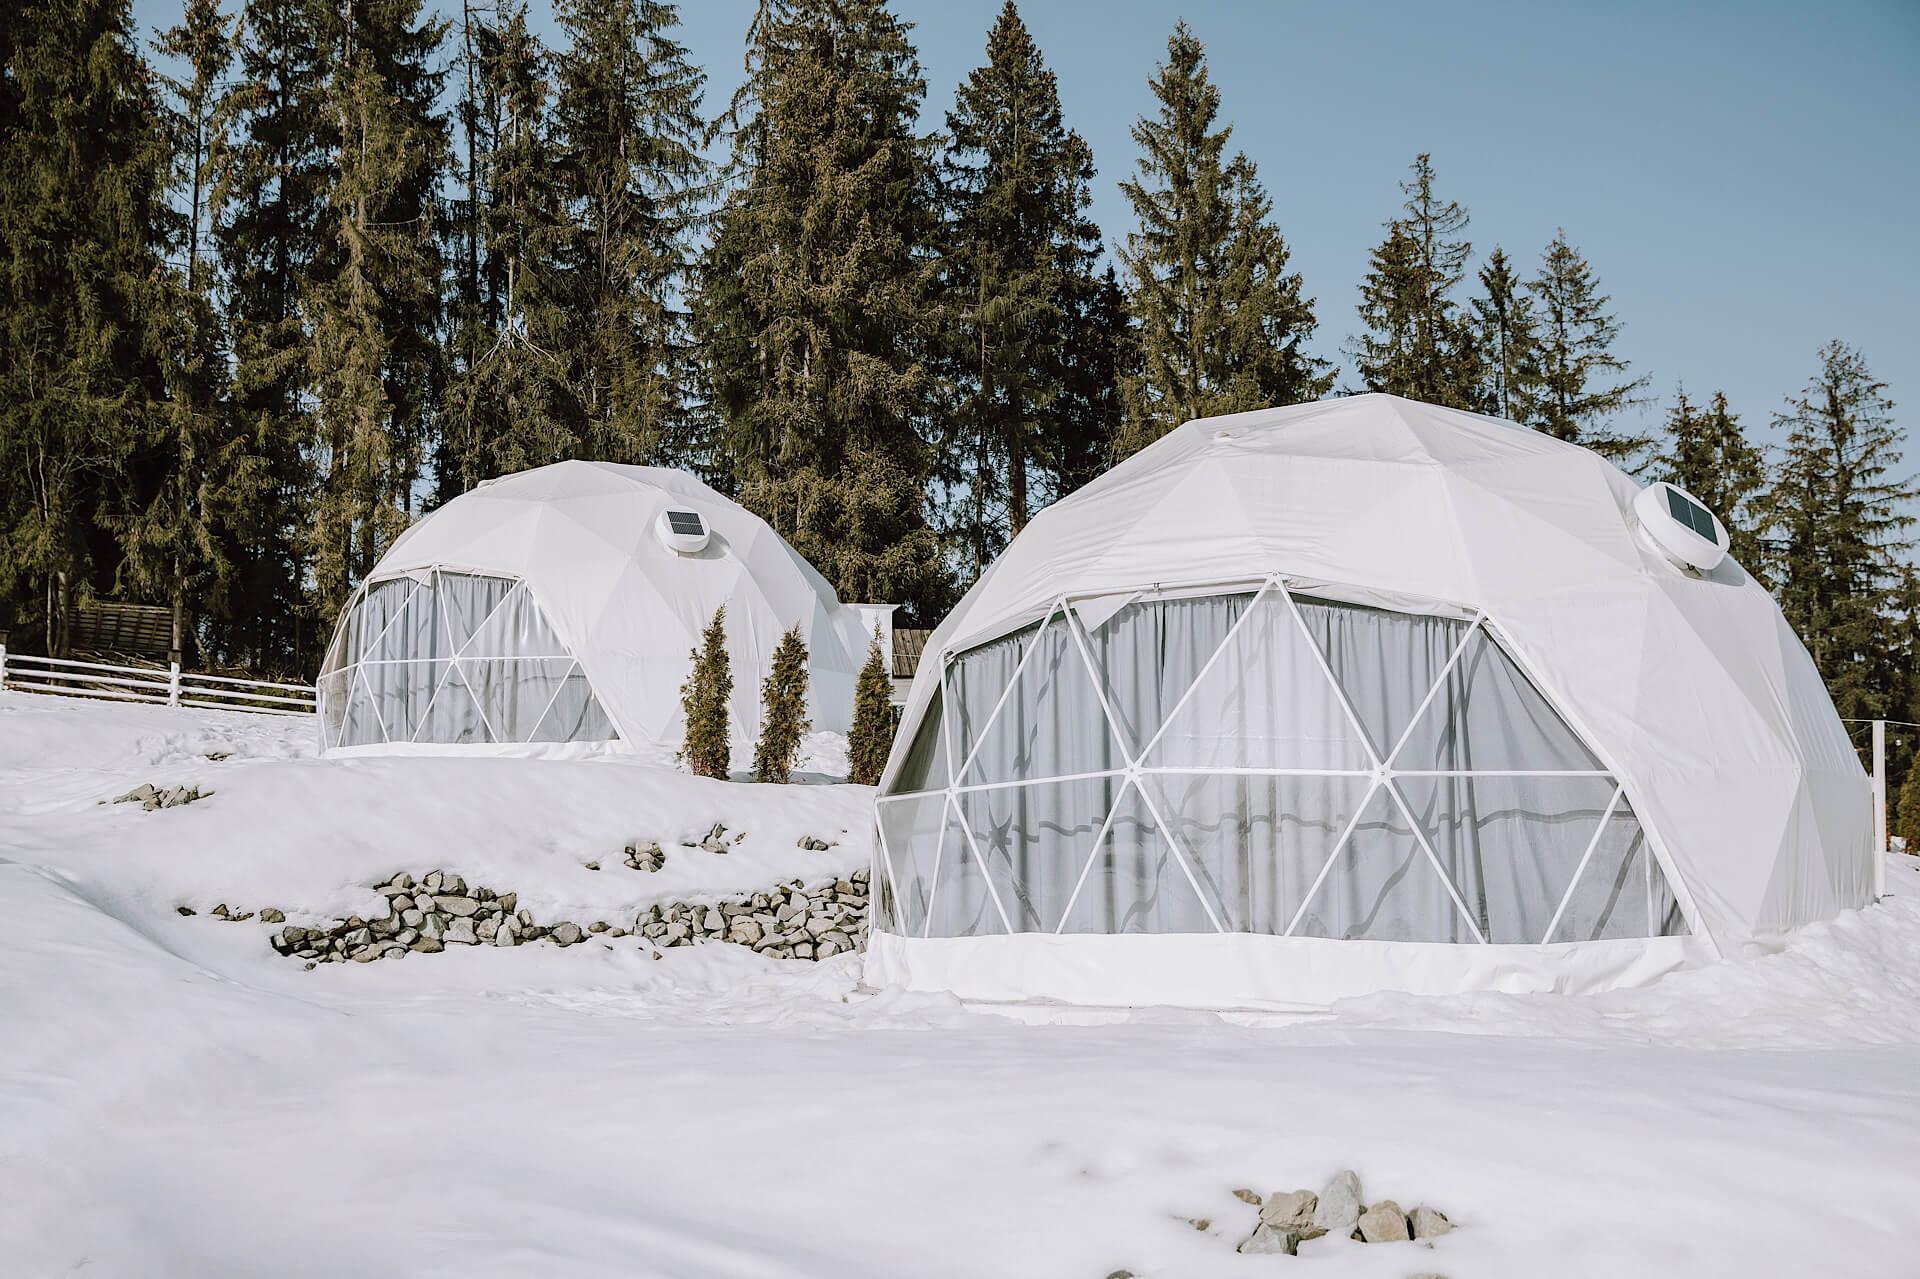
{"x":176,"y":1099}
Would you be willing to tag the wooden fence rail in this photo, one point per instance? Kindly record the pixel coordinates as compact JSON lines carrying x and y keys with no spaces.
{"x":166,"y":686}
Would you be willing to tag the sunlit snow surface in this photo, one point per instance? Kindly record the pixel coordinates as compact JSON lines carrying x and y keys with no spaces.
{"x":176,"y":1099}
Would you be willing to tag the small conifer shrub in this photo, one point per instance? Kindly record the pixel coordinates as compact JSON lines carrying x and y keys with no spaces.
{"x":703,"y":699}
{"x":872,"y":734}
{"x":783,"y":711}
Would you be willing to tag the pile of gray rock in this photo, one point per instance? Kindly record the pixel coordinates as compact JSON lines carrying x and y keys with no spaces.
{"x":796,"y":920}
{"x":1291,"y":1218}
{"x":793,"y":921}
{"x":150,"y":797}
{"x":646,"y":856}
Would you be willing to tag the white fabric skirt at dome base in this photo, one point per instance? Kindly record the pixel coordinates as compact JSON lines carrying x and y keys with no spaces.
{"x":1255,"y":971}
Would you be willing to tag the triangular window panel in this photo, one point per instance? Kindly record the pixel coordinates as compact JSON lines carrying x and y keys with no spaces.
{"x":925,"y":767}
{"x":515,"y":628}
{"x":911,"y":833}
{"x":1134,"y":882}
{"x":1050,"y":725}
{"x":1035,"y":840}
{"x":1623,"y":892}
{"x":455,"y":717}
{"x":1488,"y":715}
{"x":465,"y":600}
{"x":1148,"y":653}
{"x":1510,"y":844}
{"x":1265,"y":703}
{"x":574,"y":714}
{"x":962,"y":902}
{"x":371,"y":624}
{"x":360,"y":726}
{"x":1382,"y":887}
{"x":1383,"y":661}
{"x":1258,"y":840}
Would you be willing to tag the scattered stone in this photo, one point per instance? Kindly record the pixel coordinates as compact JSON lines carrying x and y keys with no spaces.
{"x":270,"y":915}
{"x":1246,"y":1196}
{"x":217,"y":756}
{"x":1202,"y":1224}
{"x":566,"y":934}
{"x":597,"y":926}
{"x":462,"y":906}
{"x":1293,"y":1210}
{"x":1339,"y":1208}
{"x":459,"y":932}
{"x":1283,"y":1241}
{"x":139,"y":794}
{"x":1428,"y":1223}
{"x":813,"y":845}
{"x":243,"y":915}
{"x":591,"y":865}
{"x":184,"y":910}
{"x":221,"y":910}
{"x":1384,"y":1223}
{"x":508,"y":901}
{"x":645,"y":857}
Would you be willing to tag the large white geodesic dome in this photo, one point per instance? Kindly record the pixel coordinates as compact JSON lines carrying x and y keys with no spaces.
{"x":549,"y":612}
{"x":1349,"y":696}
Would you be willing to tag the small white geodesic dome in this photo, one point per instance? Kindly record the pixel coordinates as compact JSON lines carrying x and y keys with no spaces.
{"x":550,"y":612}
{"x":1356,"y":695}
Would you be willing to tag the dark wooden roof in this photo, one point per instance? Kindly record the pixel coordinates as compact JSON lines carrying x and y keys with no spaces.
{"x":105,"y":626}
{"x":907,"y":646}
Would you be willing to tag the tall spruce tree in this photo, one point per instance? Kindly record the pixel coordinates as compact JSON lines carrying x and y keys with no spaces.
{"x":372,"y":305}
{"x":272,"y":151}
{"x":510,"y":399}
{"x":1222,"y":322}
{"x":83,"y":171}
{"x":197,"y":475}
{"x":628,"y":135}
{"x":1581,"y":387}
{"x":1418,"y":341}
{"x":1506,"y":337}
{"x":816,"y":298}
{"x":1837,"y":517}
{"x":1020,"y":258}
{"x":1706,"y":453}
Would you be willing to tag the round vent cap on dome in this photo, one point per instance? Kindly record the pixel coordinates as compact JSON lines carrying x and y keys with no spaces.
{"x":683,"y":531}
{"x":1681,"y":526}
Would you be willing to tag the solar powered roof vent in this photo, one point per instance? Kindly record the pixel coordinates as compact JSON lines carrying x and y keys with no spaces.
{"x":685,"y":532}
{"x":1681,"y":526}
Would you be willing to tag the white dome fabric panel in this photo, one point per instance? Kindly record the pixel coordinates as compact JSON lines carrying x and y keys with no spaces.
{"x":573,"y":551}
{"x":1422,"y":654}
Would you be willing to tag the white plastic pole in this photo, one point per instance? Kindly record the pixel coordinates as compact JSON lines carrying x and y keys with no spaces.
{"x":1879,"y":807}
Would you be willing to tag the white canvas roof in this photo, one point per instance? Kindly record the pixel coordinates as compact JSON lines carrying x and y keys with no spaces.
{"x":598,"y":581}
{"x":1700,"y":720}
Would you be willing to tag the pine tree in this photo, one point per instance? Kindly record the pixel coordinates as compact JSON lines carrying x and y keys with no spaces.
{"x":510,"y":401}
{"x":372,"y":307}
{"x":83,"y":169}
{"x":1837,"y":520}
{"x":1103,"y":353}
{"x":1505,"y":334}
{"x":195,"y":475}
{"x":783,"y":711}
{"x":629,"y":129}
{"x":1707,"y":454}
{"x":704,"y":699}
{"x":816,"y":302}
{"x":1418,"y":341}
{"x":1222,"y":322}
{"x":1020,"y":258}
{"x":870,"y":738}
{"x":1577,"y":360}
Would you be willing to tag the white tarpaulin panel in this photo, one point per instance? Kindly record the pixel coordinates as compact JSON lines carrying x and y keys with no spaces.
{"x":1361,"y":671}
{"x":545,"y":610}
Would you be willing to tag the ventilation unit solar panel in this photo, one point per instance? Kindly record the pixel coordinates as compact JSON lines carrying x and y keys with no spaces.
{"x":1681,"y":528}
{"x":683,"y":531}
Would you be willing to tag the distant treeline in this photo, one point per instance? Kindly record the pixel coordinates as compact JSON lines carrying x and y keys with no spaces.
{"x":358,"y":258}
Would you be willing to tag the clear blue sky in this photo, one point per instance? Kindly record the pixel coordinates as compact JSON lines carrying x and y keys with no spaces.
{"x":1745,"y":177}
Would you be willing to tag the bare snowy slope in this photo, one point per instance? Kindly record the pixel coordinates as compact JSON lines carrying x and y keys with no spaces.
{"x":176,"y":1099}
